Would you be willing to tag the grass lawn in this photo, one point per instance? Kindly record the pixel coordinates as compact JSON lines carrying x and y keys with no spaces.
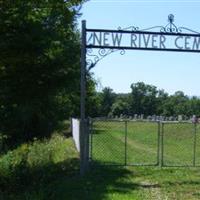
{"x":142,"y":141}
{"x":49,"y":170}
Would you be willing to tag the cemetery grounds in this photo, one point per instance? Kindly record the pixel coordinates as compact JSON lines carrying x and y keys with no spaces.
{"x":56,"y":175}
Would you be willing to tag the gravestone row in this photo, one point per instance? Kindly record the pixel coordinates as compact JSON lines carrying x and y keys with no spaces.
{"x":179,"y":118}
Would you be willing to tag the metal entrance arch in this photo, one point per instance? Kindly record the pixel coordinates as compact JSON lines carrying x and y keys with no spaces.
{"x":157,"y":38}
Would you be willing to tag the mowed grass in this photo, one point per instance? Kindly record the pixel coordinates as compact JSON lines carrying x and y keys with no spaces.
{"x":179,"y":143}
{"x":139,"y":143}
{"x":49,"y":170}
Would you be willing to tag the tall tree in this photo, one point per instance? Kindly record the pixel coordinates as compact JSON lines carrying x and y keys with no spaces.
{"x":39,"y":64}
{"x":143,"y":98}
{"x":162,"y":97}
{"x":121,"y":106}
{"x":107,"y":98}
{"x":176,"y":104}
{"x":194,"y":106}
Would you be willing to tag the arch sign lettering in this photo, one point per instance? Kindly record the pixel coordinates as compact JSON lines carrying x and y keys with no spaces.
{"x":98,"y":43}
{"x":142,"y":40}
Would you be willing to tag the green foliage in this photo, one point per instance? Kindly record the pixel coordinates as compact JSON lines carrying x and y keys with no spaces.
{"x":143,"y":98}
{"x":120,"y":106}
{"x":194,"y":106}
{"x":37,"y":163}
{"x":176,"y":104}
{"x":107,"y":98}
{"x":39,"y":65}
{"x":93,"y":100}
{"x":148,"y":100}
{"x":162,"y":97}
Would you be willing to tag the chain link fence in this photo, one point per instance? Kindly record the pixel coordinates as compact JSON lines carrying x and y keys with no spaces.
{"x":180,"y":144}
{"x":144,"y":143}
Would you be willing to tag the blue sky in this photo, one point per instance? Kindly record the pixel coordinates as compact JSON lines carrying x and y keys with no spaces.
{"x":167,"y":70}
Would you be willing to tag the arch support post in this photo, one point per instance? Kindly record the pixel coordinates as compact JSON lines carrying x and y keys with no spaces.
{"x":84,"y":134}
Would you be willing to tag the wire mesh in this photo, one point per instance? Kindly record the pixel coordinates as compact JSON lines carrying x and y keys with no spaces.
{"x":118,"y":142}
{"x":178,"y":144}
{"x":107,"y":142}
{"x":197,"y":145}
{"x":142,"y":143}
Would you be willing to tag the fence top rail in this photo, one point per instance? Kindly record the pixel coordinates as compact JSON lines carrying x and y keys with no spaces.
{"x":141,"y":120}
{"x":177,"y":122}
{"x":122,"y":120}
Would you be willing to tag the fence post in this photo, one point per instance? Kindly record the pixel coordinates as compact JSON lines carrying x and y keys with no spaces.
{"x":1,"y":142}
{"x":125,"y":162}
{"x":70,"y":126}
{"x":194,"y":147}
{"x":162,"y":143}
{"x":158,"y":143}
{"x":83,"y":125}
{"x":90,"y":139}
{"x":84,"y":146}
{"x":87,"y":128}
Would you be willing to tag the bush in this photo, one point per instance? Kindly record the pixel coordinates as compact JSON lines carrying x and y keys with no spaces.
{"x":39,"y":66}
{"x":37,"y":163}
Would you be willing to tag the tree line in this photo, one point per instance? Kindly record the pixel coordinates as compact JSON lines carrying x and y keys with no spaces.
{"x":40,"y":74}
{"x":39,"y":66}
{"x":147,"y":100}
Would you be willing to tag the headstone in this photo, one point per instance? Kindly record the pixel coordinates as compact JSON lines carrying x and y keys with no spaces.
{"x":170,"y":118}
{"x":162,"y":118}
{"x":153,"y":118}
{"x":157,"y":118}
{"x":135,"y":116}
{"x":180,"y":118}
{"x":149,"y":118}
{"x":194,"y":119}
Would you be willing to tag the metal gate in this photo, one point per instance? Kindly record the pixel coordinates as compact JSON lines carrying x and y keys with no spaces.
{"x":144,"y":143}
{"x":96,"y":44}
{"x":122,"y":142}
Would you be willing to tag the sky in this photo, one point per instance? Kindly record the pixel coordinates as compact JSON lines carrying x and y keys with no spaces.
{"x":171,"y":71}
